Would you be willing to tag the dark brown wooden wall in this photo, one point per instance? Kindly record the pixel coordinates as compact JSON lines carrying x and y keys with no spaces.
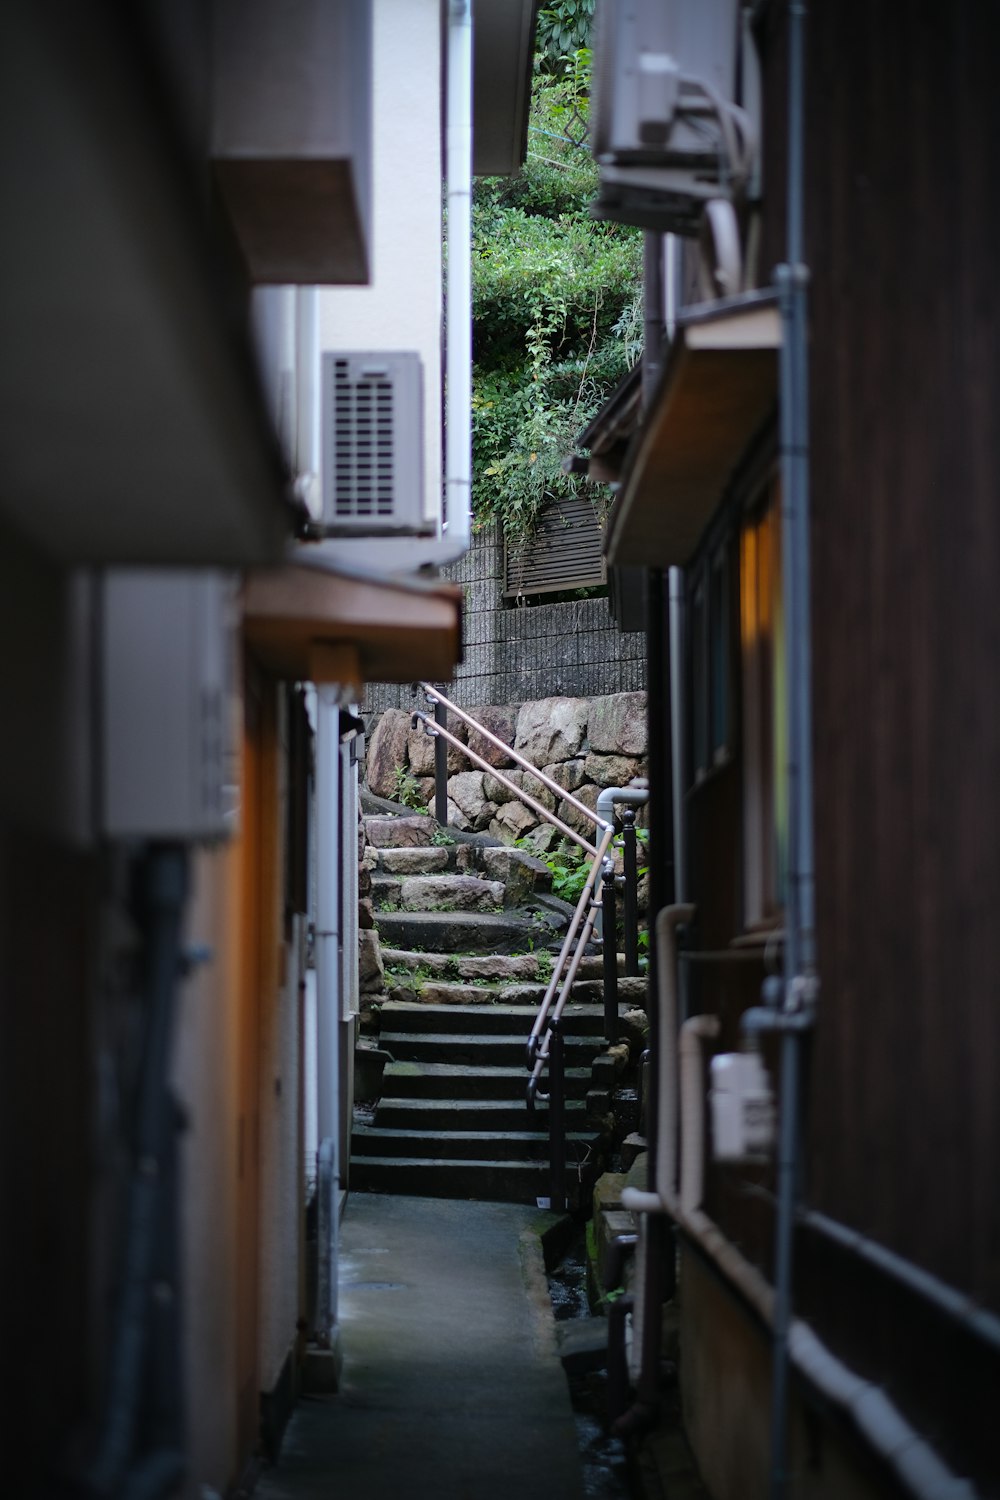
{"x":903,"y":240}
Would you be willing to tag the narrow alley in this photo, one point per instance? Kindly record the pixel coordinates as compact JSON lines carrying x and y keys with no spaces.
{"x":452,"y":1385}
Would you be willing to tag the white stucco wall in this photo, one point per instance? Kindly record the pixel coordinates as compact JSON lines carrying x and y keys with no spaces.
{"x":401,"y":309}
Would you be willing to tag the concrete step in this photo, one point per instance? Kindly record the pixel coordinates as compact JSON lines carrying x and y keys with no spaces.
{"x":486,"y":1020}
{"x":461,"y":932}
{"x":463,"y":1145}
{"x":386,"y":831}
{"x":522,"y":873}
{"x":476,"y":1049}
{"x":504,"y":967}
{"x":459,"y":1081}
{"x":490,"y":1181}
{"x":489,"y":1115}
{"x":437,"y":893}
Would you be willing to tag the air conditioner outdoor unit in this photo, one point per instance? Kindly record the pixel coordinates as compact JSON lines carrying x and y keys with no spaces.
{"x":373,"y":462}
{"x":666,"y":135}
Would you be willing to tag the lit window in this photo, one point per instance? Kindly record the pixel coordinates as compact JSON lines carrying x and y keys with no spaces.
{"x":765,"y":733}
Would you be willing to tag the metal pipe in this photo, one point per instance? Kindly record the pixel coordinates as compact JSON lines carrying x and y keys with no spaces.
{"x":675,"y":625}
{"x":164,"y":895}
{"x":664,"y":1119}
{"x":693,"y":1033}
{"x":630,"y":914}
{"x":557,"y":1120}
{"x":458,"y":304}
{"x":800,"y":981}
{"x":889,"y":1435}
{"x":440,"y":765}
{"x":327,"y":957}
{"x":652,"y":306}
{"x":609,"y":951}
{"x":952,"y":1304}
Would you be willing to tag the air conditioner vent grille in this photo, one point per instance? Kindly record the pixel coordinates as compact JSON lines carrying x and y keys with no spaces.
{"x":374,"y":442}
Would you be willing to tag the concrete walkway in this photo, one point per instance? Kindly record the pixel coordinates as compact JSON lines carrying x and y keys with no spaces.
{"x":452,"y":1387}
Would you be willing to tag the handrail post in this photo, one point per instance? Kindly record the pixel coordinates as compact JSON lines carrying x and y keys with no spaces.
{"x":609,"y":939}
{"x":557,"y":1121}
{"x":441,"y":765}
{"x":631,"y":913}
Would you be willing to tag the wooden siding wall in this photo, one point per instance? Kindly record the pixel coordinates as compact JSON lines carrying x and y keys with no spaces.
{"x":903,"y":164}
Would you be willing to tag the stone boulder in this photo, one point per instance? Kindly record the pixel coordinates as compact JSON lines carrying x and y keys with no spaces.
{"x":611,"y":770}
{"x":587,"y":794}
{"x":371,"y":970}
{"x":387,"y":752}
{"x":617,"y":724}
{"x":512,"y":821}
{"x":466,"y":792}
{"x":551,"y":729}
{"x":420,"y":749}
{"x":569,"y":774}
{"x":500,"y":721}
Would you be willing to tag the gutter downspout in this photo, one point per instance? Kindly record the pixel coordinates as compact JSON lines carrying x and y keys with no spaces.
{"x":794,"y":1016}
{"x":457,"y":524}
{"x":327,"y":958}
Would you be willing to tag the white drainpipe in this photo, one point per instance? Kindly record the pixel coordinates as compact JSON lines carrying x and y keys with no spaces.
{"x":693,"y":1033}
{"x":667,"y":922}
{"x":327,"y":949}
{"x":458,"y":308}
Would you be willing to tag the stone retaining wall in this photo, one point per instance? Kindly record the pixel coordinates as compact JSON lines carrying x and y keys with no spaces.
{"x":583,"y":744}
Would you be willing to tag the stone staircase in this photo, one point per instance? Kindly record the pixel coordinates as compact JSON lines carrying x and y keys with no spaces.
{"x":469,"y":931}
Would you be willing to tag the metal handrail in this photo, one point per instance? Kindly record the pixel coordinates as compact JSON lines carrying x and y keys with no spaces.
{"x":434,"y":695}
{"x":559,"y":988}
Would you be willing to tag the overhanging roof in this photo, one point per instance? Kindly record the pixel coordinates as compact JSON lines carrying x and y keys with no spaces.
{"x":503,"y":39}
{"x":133,"y":430}
{"x":718,"y":388}
{"x":312,"y":622}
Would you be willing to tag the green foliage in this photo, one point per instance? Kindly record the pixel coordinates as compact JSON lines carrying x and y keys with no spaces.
{"x":563,"y":27}
{"x":569,"y":866}
{"x":441,"y":838}
{"x":407,"y":790}
{"x":556,"y":310}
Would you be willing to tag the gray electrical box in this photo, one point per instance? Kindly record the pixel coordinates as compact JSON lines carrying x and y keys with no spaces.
{"x":168,"y":710}
{"x":373,"y":448}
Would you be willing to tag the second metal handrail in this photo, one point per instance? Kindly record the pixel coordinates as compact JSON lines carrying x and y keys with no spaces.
{"x":545,"y":1042}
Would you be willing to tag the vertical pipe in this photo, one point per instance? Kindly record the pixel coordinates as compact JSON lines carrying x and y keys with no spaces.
{"x":676,"y":637}
{"x":557,"y":1121}
{"x":631,"y":911}
{"x":328,"y":950}
{"x":441,"y":766}
{"x":652,"y":301}
{"x":791,"y":279}
{"x":458,"y":308}
{"x":609,"y":938}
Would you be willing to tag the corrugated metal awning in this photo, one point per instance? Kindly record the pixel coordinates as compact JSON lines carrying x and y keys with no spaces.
{"x":718,"y":388}
{"x":311,"y":621}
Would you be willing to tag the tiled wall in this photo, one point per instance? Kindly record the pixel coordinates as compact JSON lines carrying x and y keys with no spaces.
{"x":514,"y":653}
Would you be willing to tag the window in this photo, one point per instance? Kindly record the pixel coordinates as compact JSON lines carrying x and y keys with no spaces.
{"x":765,"y":727}
{"x":710,"y":662}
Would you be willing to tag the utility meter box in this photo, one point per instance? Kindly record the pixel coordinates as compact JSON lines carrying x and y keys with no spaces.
{"x":168,"y":758}
{"x":742,"y":1107}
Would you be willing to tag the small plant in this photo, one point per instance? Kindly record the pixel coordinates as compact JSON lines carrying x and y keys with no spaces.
{"x":407,"y":790}
{"x":441,"y":838}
